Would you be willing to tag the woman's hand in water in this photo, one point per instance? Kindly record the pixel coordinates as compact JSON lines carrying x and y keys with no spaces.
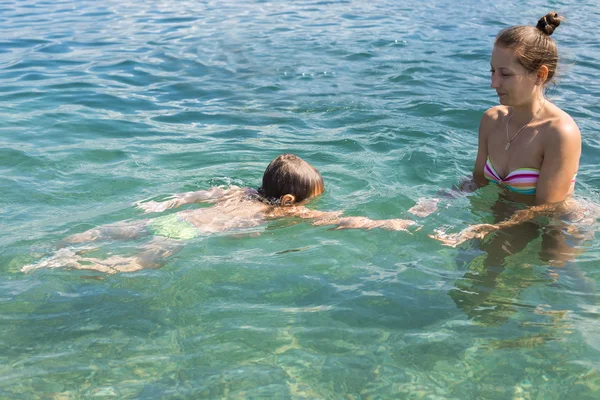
{"x":472,"y":232}
{"x":468,"y":185}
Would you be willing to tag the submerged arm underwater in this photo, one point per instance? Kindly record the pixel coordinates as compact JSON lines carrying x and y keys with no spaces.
{"x":479,"y":231}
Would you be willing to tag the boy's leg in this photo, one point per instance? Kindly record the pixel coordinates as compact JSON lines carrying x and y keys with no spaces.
{"x":118,"y":231}
{"x":155,"y":252}
{"x":152,"y":255}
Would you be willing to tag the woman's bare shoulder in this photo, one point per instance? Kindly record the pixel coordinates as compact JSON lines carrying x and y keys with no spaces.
{"x":494,"y":114}
{"x":563,"y":129}
{"x":490,"y":120}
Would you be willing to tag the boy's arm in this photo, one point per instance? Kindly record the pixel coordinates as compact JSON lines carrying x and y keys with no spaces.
{"x":181,"y":199}
{"x":335,"y":218}
{"x":366,"y":223}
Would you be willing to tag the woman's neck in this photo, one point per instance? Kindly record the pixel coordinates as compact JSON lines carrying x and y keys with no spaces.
{"x":524,"y":113}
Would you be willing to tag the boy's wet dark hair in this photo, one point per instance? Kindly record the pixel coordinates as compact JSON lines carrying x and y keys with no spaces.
{"x":289,"y":174}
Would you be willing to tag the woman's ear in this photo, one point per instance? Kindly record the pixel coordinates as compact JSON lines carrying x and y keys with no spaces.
{"x":287,"y":200}
{"x":542,"y":75}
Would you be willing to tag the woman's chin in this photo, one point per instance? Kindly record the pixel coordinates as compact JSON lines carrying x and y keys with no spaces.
{"x":503,"y":99}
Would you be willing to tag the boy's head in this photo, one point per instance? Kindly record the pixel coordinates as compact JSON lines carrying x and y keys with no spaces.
{"x":289,"y":179}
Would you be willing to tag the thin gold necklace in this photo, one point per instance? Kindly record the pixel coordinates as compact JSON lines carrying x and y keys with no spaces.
{"x":508,"y":140}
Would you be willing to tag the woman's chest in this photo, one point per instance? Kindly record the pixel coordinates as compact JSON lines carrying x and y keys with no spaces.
{"x":525,"y":151}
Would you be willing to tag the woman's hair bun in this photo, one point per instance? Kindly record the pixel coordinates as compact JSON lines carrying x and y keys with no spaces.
{"x":549,"y":22}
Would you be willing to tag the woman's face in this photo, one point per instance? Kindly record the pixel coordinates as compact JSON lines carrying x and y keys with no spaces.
{"x":513,"y":84}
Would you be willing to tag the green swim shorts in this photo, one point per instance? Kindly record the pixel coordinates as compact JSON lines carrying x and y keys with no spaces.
{"x":173,"y":227}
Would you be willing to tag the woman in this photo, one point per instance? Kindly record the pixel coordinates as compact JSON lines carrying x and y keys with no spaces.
{"x":527,"y":144}
{"x":531,"y":149}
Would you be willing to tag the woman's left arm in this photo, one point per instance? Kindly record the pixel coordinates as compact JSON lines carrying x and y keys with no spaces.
{"x":561,"y":162}
{"x":555,"y":183}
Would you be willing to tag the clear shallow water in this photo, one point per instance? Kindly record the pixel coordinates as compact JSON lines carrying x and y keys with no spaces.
{"x":103,"y":105}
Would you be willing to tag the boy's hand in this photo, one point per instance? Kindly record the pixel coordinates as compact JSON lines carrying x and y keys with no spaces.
{"x":397,"y":224}
{"x":152,"y":206}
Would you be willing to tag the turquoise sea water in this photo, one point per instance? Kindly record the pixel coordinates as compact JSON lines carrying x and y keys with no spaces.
{"x":106,"y":103}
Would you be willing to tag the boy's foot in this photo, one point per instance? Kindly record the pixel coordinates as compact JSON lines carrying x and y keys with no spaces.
{"x":62,"y":258}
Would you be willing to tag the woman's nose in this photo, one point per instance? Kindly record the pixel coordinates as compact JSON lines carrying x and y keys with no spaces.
{"x":495,"y":82}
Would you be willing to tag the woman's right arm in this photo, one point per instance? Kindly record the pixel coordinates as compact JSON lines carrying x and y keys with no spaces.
{"x":477,"y":180}
{"x":482,"y":149}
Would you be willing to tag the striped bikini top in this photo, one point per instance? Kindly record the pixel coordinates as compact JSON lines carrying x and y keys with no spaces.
{"x":522,"y":180}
